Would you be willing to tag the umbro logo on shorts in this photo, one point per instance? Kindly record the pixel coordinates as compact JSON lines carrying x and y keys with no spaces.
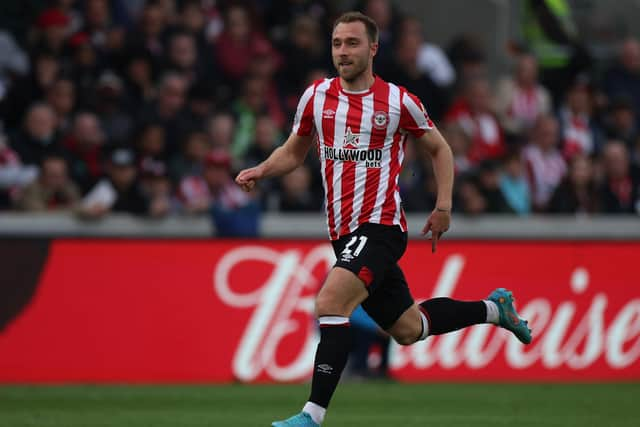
{"x":325,"y":369}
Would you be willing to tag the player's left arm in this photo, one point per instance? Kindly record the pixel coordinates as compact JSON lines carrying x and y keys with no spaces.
{"x":438,"y":222}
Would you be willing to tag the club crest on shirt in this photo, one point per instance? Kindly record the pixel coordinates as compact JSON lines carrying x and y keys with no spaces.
{"x":380,"y":119}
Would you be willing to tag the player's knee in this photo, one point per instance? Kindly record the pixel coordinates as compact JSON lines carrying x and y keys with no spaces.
{"x":327,"y":305}
{"x":405,"y":338}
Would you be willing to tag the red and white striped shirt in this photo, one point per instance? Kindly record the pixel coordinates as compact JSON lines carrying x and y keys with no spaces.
{"x":361,"y":140}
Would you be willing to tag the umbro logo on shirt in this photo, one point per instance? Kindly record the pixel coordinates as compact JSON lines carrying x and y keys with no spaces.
{"x":328,"y":114}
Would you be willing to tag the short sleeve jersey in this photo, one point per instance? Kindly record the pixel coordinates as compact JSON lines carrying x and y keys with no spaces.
{"x":361,"y":138}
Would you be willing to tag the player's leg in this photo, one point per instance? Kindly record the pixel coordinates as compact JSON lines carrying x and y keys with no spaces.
{"x":339,"y":296}
{"x":442,"y":315}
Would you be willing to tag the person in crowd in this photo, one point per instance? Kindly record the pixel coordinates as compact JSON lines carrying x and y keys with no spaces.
{"x":620,"y":190}
{"x":623,"y":77}
{"x":221,"y":128}
{"x":119,"y":191}
{"x":514,"y":184}
{"x":61,"y":96}
{"x":545,"y":164}
{"x":521,"y":99}
{"x":169,"y":109}
{"x":156,"y":186}
{"x":84,"y":147}
{"x":190,"y":161}
{"x":296,"y":193}
{"x":53,"y":190}
{"x":474,"y":115}
{"x":579,"y":130}
{"x":404,"y":68}
{"x":38,"y":136}
{"x":238,"y":43}
{"x":27,"y":90}
{"x":367,"y":339}
{"x":578,"y":192}
{"x":622,"y":124}
{"x":14,"y":176}
{"x":488,"y":177}
{"x":233,"y":212}
{"x":110,"y":103}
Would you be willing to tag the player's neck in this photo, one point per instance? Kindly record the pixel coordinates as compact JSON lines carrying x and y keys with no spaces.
{"x":362,"y":83}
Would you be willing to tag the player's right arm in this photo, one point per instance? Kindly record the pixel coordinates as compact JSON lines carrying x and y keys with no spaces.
{"x":283,"y":160}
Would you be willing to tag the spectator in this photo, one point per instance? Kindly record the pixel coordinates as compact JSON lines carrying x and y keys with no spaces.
{"x":53,"y":190}
{"x":468,"y":197}
{"x":220,"y":129}
{"x":150,"y":33}
{"x":156,"y":186}
{"x":545,"y":165}
{"x":119,"y":191}
{"x":25,"y":91}
{"x":623,"y":124}
{"x":305,"y":50}
{"x":13,"y":174}
{"x":403,"y":69}
{"x":151,"y":141}
{"x":431,"y":59}
{"x":38,"y":136}
{"x":473,"y":114}
{"x":238,"y":43}
{"x":84,"y":145}
{"x":414,"y":179}
{"x":234,"y":213}
{"x":577,"y":193}
{"x":620,"y":191}
{"x":460,"y":144}
{"x":489,"y":187}
{"x":580,"y":133}
{"x":296,"y":193}
{"x":514,"y":185}
{"x":110,"y":104}
{"x":190,"y":161}
{"x":182,"y":57}
{"x":51,"y":31}
{"x":623,"y":78}
{"x":139,"y":78}
{"x":62,"y":98}
{"x":169,"y":109}
{"x":521,"y":99}
{"x":13,"y":62}
{"x":247,"y":108}
{"x":367,"y":338}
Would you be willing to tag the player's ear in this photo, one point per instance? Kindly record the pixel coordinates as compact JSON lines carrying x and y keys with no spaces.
{"x":374,"y":48}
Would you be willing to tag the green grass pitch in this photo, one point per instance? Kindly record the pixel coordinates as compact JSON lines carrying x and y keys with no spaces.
{"x":354,"y":405}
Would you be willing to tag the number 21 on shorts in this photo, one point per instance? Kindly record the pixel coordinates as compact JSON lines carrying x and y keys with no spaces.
{"x":347,"y":253}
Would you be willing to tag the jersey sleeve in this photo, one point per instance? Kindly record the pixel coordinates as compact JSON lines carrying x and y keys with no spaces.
{"x":413,"y":116}
{"x":303,"y":120}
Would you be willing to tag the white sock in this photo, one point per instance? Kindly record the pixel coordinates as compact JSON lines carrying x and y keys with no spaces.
{"x":493,"y":314}
{"x":425,"y":327}
{"x":316,"y":411}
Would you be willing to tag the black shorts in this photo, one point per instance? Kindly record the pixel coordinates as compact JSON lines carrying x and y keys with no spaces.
{"x":372,"y":252}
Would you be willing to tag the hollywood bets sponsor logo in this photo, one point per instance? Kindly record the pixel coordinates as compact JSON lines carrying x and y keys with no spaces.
{"x":570,"y":338}
{"x":371,"y":158}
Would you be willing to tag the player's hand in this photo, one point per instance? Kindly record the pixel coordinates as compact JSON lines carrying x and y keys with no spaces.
{"x":438,"y":223}
{"x":247,"y":178}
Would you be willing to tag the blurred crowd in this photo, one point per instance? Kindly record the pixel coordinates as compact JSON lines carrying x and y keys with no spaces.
{"x":151,"y":106}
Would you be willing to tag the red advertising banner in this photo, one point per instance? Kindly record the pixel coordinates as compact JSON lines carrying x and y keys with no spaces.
{"x":219,"y":311}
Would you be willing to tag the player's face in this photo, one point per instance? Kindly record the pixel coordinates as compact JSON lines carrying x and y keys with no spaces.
{"x":352,"y":50}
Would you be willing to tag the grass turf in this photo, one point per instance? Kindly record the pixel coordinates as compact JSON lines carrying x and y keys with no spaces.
{"x":354,"y":405}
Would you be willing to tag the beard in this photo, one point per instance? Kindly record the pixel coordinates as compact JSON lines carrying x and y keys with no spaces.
{"x":353,"y":71}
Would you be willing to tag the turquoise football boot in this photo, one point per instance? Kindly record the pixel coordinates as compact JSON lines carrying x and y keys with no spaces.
{"x":299,"y":420}
{"x":509,"y":318}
